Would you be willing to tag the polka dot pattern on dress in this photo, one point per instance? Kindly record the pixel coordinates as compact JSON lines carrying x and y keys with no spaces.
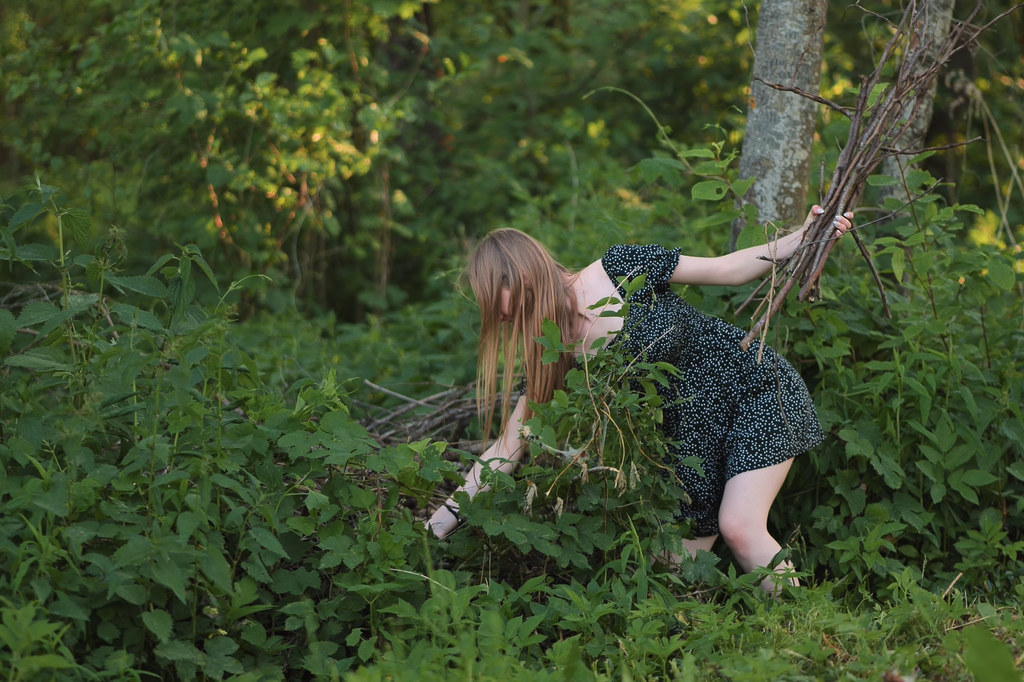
{"x":726,"y":409}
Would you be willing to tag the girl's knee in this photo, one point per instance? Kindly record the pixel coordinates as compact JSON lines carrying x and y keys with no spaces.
{"x":741,"y":533}
{"x":732,"y":527}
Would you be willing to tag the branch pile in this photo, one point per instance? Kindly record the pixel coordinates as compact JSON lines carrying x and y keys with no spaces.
{"x":445,"y":416}
{"x":885,"y":109}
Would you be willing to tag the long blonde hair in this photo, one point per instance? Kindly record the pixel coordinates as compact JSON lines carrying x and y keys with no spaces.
{"x":538,"y":291}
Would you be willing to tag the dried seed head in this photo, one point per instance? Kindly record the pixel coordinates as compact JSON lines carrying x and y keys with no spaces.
{"x":531,"y":493}
{"x":634,"y":476}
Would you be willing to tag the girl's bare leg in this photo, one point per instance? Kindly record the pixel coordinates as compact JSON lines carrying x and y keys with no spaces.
{"x":743,"y":519}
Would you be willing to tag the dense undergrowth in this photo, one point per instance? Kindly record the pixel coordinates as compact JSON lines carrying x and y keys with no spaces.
{"x":184,"y":496}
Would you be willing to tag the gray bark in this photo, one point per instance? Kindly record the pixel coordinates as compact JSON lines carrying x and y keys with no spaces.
{"x":938,"y":15}
{"x":780,"y":125}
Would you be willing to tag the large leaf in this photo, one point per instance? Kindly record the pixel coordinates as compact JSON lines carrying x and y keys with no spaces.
{"x":159,"y":622}
{"x":1001,"y":274}
{"x":78,"y":223}
{"x":24,"y":215}
{"x":989,"y":659}
{"x":36,"y":312}
{"x":709,"y":190}
{"x":171,"y":575}
{"x":44,"y":359}
{"x":140,"y":284}
{"x":30,"y":253}
{"x":268,"y":541}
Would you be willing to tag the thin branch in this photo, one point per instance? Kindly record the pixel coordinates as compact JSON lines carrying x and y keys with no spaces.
{"x":892,"y":151}
{"x":845,"y":111}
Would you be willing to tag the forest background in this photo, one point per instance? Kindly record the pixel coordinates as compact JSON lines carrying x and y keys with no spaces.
{"x":237,"y":358}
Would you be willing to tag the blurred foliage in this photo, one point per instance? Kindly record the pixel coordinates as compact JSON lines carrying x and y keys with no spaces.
{"x":350,"y":151}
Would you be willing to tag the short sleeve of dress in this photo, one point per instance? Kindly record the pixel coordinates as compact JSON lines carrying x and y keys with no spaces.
{"x":632,"y":260}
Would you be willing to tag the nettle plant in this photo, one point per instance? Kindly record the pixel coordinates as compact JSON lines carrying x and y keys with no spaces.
{"x":597,"y":479}
{"x":163,"y":512}
{"x":924,"y":469}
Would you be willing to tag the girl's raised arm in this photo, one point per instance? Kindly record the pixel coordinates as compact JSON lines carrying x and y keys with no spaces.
{"x":746,"y":265}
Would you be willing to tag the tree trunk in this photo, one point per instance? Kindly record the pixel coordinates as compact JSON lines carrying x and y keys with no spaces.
{"x":780,"y":125}
{"x":938,"y":15}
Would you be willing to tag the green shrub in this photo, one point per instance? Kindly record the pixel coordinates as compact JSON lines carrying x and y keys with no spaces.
{"x":178,"y":503}
{"x":164,"y":511}
{"x":924,"y":468}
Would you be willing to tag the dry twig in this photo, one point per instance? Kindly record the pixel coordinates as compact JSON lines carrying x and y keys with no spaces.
{"x":444,"y":415}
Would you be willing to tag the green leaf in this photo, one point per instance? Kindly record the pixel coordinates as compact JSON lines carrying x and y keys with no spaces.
{"x":23,"y":215}
{"x":140,"y":284}
{"x":709,"y":190}
{"x":740,"y":187}
{"x":720,"y":217}
{"x":1016,"y":470}
{"x":219,"y":659}
{"x":216,"y":568}
{"x":67,"y":607}
{"x":218,"y":175}
{"x":160,"y":262}
{"x":977,"y":477}
{"x":652,"y":170}
{"x":170,"y":575}
{"x":316,"y":500}
{"x":956,"y":483}
{"x":159,"y":622}
{"x":8,"y":329}
{"x":882,"y":180}
{"x":338,"y":548}
{"x":175,"y":650}
{"x":1001,"y":274}
{"x":268,"y":541}
{"x":197,"y":257}
{"x":36,"y":312}
{"x":360,"y":498}
{"x":46,"y":192}
{"x":916,"y":178}
{"x":876,"y":93}
{"x":42,"y":662}
{"x":716,"y":167}
{"x":552,"y":335}
{"x":988,"y":659}
{"x":43,"y":359}
{"x":697,"y":153}
{"x":898,"y":258}
{"x":131,"y":315}
{"x":79,"y":223}
{"x":30,"y":253}
{"x":945,"y":434}
{"x":751,"y":235}
{"x":969,"y":208}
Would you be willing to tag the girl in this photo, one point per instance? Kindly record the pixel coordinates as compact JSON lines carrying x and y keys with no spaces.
{"x":747,"y":414}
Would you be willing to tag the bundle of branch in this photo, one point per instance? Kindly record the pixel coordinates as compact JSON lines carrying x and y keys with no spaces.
{"x":445,"y":415}
{"x":885,"y":109}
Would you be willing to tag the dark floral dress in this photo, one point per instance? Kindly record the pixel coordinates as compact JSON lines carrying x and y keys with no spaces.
{"x":726,"y":409}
